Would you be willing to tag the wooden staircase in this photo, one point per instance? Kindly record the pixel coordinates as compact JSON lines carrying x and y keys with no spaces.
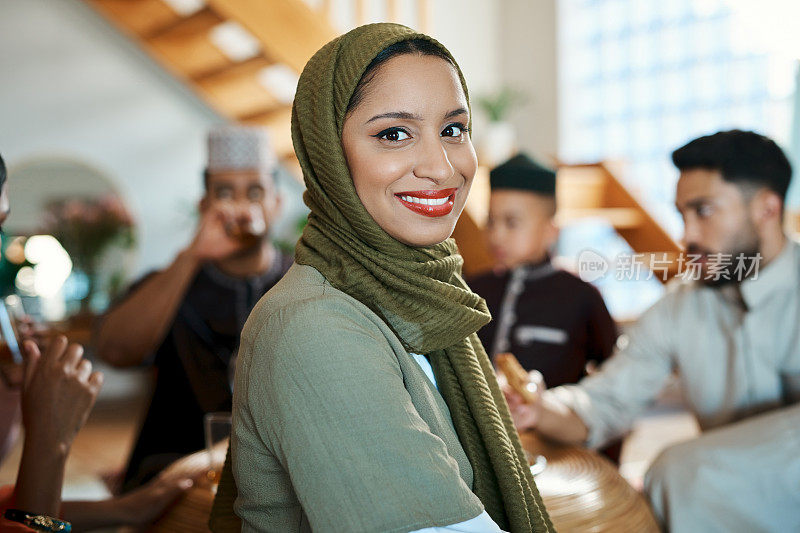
{"x":593,"y":191}
{"x":282,"y":34}
{"x":589,"y":191}
{"x":252,"y":78}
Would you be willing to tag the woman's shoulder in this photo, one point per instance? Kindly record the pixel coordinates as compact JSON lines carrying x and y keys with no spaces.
{"x":307,"y":327}
{"x":304,"y":303}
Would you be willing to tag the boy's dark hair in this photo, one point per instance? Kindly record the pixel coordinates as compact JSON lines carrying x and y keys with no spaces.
{"x":741,"y":157}
{"x":412,"y":46}
{"x":2,"y":171}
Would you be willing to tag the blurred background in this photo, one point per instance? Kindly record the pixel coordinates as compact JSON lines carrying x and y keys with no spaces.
{"x":104,"y":107}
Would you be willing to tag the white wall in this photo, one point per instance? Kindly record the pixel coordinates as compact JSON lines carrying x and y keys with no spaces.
{"x":528,"y":62}
{"x":470,"y":30}
{"x":71,"y":85}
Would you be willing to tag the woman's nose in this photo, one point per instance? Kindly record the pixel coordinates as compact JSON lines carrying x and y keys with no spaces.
{"x":433,"y":162}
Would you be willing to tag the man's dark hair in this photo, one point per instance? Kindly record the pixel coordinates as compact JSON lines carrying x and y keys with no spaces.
{"x":744,"y":158}
{"x":2,"y":171}
{"x":411,"y":46}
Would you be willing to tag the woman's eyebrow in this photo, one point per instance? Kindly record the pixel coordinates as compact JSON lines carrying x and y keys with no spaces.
{"x":411,"y":116}
{"x":395,"y":114}
{"x":456,"y":112}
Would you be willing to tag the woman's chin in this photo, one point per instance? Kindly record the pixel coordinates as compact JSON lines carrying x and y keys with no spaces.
{"x":423,"y":237}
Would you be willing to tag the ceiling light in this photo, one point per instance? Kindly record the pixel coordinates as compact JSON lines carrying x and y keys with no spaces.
{"x":280,"y":80}
{"x":185,"y":7}
{"x":234,"y":41}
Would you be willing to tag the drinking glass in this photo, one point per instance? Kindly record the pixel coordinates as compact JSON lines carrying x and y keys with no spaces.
{"x":217,"y":432}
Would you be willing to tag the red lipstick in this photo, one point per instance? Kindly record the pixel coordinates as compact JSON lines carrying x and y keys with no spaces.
{"x":429,"y":203}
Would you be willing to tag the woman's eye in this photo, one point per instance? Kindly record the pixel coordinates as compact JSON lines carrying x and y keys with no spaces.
{"x":454,"y":130}
{"x":393,"y":135}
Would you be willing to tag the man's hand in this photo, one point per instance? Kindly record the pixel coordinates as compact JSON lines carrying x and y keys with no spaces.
{"x":213,"y":240}
{"x":58,"y":392}
{"x":144,"y":506}
{"x":525,"y":415}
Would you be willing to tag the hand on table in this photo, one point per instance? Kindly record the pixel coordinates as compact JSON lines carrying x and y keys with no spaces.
{"x":140,"y":508}
{"x":58,"y":391}
{"x":146,"y":504}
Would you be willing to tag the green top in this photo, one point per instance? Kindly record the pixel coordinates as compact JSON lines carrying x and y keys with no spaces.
{"x":328,"y":426}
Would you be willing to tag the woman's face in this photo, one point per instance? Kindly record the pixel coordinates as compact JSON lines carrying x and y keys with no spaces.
{"x":408,"y":148}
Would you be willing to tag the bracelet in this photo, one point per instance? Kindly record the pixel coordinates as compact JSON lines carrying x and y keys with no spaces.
{"x":39,"y":522}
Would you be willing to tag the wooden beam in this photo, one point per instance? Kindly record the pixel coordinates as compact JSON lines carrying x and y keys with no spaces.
{"x":137,"y":16}
{"x":187,"y":46}
{"x":361,"y":12}
{"x":392,"y":11}
{"x":592,"y":189}
{"x":649,"y":235}
{"x":249,"y":67}
{"x":269,"y":115}
{"x":581,"y":187}
{"x":619,"y":217}
{"x":236,"y":94}
{"x":289,"y":30}
{"x":424,"y":16}
{"x":200,"y":21}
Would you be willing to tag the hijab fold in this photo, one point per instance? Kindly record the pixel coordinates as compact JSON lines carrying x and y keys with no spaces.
{"x":418,"y":292}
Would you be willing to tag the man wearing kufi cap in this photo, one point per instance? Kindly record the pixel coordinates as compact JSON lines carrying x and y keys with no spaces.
{"x":186,"y":319}
{"x":549,"y":319}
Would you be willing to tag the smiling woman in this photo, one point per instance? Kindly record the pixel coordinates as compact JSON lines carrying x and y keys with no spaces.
{"x":363,"y":399}
{"x":408,"y":147}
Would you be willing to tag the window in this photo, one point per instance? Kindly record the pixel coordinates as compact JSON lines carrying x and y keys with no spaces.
{"x":641,"y":78}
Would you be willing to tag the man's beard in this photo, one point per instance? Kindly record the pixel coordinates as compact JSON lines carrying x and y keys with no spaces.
{"x":742,"y":262}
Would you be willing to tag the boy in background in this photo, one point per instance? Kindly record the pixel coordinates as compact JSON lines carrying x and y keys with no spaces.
{"x":549,"y":319}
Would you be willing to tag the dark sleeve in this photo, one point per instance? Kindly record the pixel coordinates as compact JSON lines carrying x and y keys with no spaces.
{"x":132,"y":288}
{"x":601,"y":328}
{"x":117,"y":301}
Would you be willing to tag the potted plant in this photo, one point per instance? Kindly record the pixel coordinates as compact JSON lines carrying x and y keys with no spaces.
{"x":499,"y":141}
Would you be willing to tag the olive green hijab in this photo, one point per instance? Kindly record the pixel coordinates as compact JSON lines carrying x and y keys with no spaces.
{"x":419,"y":292}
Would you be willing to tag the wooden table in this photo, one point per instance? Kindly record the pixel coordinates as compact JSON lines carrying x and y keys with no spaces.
{"x":583,"y":492}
